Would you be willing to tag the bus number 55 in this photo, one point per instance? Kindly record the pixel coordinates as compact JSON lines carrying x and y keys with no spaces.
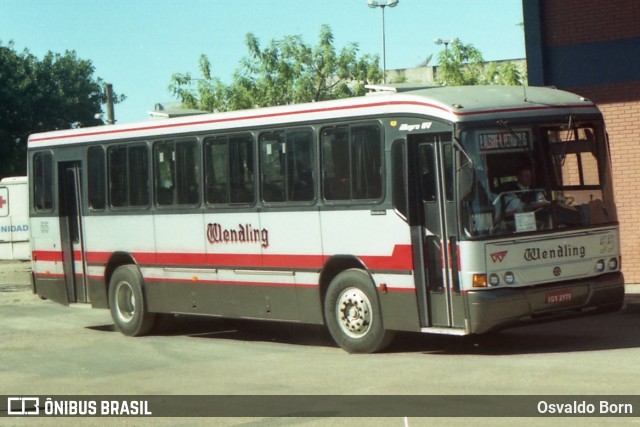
{"x":607,"y":244}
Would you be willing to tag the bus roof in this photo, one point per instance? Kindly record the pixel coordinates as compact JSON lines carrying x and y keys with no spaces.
{"x":449,"y":103}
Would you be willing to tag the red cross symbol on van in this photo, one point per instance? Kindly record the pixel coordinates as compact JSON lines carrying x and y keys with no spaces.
{"x":2,"y":202}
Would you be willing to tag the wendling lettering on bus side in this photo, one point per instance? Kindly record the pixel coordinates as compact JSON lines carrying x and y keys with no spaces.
{"x":561,"y":251}
{"x":243,"y":234}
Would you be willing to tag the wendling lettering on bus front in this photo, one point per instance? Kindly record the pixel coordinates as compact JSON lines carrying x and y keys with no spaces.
{"x":243,"y":234}
{"x":562,"y":251}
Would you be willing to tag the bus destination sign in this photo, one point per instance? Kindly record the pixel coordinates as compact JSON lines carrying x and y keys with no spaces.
{"x":503,"y":140}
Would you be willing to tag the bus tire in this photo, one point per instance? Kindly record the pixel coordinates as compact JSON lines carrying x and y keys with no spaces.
{"x":352,"y":313}
{"x":127,"y":304}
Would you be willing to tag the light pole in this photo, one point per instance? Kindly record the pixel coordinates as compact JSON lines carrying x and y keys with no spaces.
{"x":382,"y":4}
{"x":445,"y":42}
{"x":444,"y":60}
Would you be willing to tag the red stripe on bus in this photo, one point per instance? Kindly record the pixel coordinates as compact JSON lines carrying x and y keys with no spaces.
{"x":150,"y":279}
{"x":401,"y":259}
{"x":46,"y":255}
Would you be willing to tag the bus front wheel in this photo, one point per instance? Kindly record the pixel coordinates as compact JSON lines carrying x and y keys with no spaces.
{"x":352,"y":313}
{"x":127,"y":304}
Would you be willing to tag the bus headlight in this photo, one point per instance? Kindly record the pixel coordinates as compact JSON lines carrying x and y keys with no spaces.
{"x":613,"y":264}
{"x":494,"y":280}
{"x":509,"y":278}
{"x":600,"y":266}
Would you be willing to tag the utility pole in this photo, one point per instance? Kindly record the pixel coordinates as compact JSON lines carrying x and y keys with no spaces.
{"x":108,"y":90}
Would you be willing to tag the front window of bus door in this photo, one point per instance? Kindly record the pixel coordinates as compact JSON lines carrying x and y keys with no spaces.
{"x":432,"y":215}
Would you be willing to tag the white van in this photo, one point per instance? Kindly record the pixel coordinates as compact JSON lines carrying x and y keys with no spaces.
{"x":14,"y":219}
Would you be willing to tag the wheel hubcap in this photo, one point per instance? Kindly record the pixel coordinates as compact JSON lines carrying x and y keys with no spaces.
{"x":125,"y":301}
{"x":353,"y":312}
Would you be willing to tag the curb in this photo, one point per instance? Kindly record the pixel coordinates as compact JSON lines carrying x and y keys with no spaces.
{"x":631,"y":303}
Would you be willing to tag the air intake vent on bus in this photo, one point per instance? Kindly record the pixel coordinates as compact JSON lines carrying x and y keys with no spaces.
{"x":397,"y":88}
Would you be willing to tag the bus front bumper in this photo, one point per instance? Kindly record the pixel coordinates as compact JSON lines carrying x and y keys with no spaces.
{"x":495,"y":309}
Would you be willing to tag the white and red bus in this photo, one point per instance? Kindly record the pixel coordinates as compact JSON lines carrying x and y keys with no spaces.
{"x":370,"y":215}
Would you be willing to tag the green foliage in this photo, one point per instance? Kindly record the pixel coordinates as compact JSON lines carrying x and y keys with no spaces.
{"x":462,"y":64}
{"x":504,"y":73}
{"x":57,"y":92}
{"x":286,"y":71}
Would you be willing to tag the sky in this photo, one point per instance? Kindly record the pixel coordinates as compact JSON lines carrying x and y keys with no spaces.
{"x":137,"y":45}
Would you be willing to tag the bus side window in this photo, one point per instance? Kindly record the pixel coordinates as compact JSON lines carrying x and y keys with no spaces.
{"x":187,"y":173}
{"x":366,"y":162}
{"x":138,"y":176}
{"x":43,"y":181}
{"x":241,"y":167}
{"x":216,"y":153}
{"x":229,"y":168}
{"x":118,"y":194}
{"x":286,"y":160}
{"x":177,"y":169}
{"x":164,"y":157}
{"x":300,"y":166}
{"x":128,"y":176}
{"x":96,"y":178}
{"x":272,"y":165}
{"x":335,"y":163}
{"x":352,"y":162}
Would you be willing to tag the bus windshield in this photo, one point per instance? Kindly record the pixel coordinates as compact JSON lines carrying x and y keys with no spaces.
{"x":535,"y":178}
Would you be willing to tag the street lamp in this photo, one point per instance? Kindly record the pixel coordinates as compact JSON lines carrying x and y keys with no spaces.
{"x":382,"y":4}
{"x":444,"y":42}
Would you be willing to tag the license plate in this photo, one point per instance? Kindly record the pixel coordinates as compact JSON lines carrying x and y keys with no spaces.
{"x":557,"y":297}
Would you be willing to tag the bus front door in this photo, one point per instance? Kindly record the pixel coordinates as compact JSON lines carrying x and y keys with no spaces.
{"x":70,"y":213}
{"x":442,"y":305}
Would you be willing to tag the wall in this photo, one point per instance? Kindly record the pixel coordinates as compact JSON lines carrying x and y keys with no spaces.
{"x":592,"y":47}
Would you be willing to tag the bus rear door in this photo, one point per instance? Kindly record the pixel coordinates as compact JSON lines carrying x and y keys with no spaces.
{"x":71,"y":227}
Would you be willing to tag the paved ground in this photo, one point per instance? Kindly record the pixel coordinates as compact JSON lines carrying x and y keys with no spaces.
{"x":54,"y":350}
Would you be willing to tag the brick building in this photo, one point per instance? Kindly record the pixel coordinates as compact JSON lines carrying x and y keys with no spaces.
{"x":592,"y":47}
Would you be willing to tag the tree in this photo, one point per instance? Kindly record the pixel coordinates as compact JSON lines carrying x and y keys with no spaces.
{"x":286,"y":71}
{"x":504,"y":73}
{"x":463,"y":64}
{"x":57,"y":92}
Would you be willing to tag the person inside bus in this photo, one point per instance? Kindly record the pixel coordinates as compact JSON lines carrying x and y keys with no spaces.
{"x":519,"y":195}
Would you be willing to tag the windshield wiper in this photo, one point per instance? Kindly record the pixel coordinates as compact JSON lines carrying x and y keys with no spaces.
{"x":505,"y":125}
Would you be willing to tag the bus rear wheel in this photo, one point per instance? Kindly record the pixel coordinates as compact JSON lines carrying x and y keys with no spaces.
{"x":127,"y":304}
{"x":352,"y":313}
